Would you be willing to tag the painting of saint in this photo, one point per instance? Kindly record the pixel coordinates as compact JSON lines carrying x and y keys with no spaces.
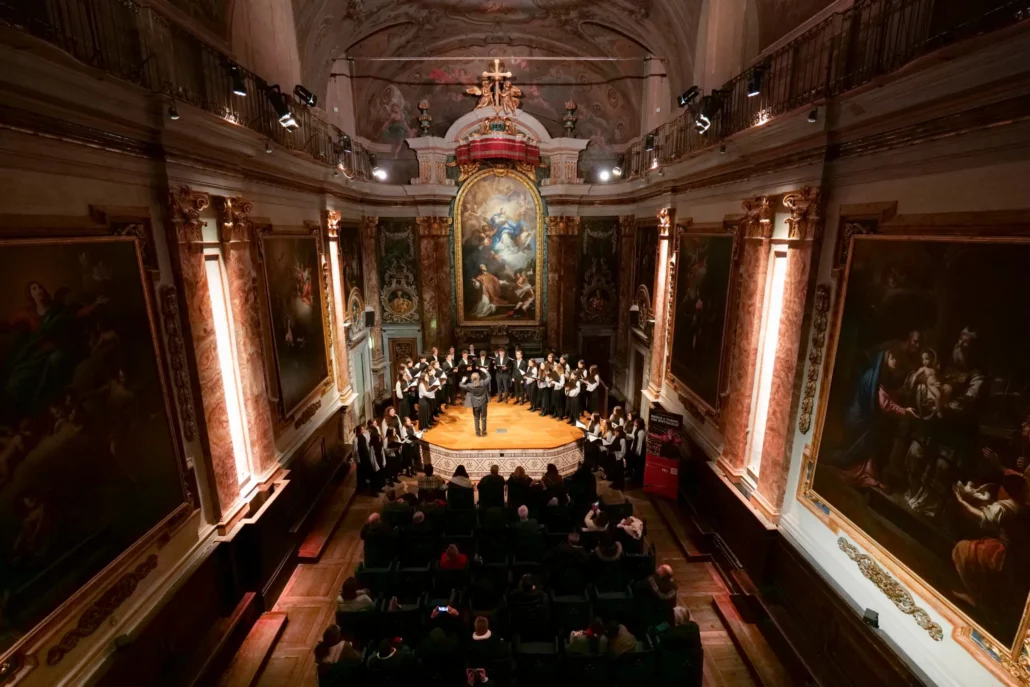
{"x":292,"y":275}
{"x":925,"y":444}
{"x":88,"y":463}
{"x":351,"y":260}
{"x":498,"y":217}
{"x":703,"y":286}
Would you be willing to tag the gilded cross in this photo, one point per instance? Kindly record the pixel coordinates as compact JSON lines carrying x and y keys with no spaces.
{"x":498,"y":77}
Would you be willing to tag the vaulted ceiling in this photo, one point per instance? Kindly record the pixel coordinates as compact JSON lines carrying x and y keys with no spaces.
{"x":608,"y":93}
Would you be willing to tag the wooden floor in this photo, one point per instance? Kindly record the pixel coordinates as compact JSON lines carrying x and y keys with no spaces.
{"x":309,"y":601}
{"x":508,"y":426}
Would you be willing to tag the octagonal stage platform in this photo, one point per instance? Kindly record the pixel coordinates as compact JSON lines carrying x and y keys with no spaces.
{"x":515,"y":436}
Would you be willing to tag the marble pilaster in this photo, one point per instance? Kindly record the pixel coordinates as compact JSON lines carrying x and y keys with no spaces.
{"x":662,"y":289}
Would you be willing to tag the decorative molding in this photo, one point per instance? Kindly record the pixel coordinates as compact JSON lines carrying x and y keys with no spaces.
{"x":815,"y":356}
{"x":94,"y":616}
{"x":307,"y":414}
{"x":892,"y":588}
{"x":332,"y":223}
{"x":234,"y":220}
{"x":804,"y":223}
{"x":563,"y":226}
{"x":758,"y":216}
{"x":664,"y":224}
{"x":185,"y":206}
{"x":177,"y":354}
{"x":433,"y":226}
{"x":849,"y":230}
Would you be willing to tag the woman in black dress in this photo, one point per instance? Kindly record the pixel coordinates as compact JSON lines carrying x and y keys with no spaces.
{"x":425,"y":403}
{"x":543,"y":401}
{"x":411,"y":454}
{"x":400,"y":396}
{"x":593,"y":389}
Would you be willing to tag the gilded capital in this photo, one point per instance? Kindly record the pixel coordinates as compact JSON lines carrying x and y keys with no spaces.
{"x":758,"y":217}
{"x":234,"y":217}
{"x":563,"y":226}
{"x":332,"y":223}
{"x":433,"y":226}
{"x":627,"y":223}
{"x":368,"y":226}
{"x":185,"y":206}
{"x":804,"y":221}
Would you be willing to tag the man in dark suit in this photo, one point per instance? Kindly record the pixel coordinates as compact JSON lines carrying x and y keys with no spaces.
{"x":484,"y":364}
{"x":491,"y":489}
{"x":519,"y":368}
{"x":396,"y":513}
{"x":525,"y":524}
{"x":502,"y":367}
{"x":477,"y":397}
{"x":567,"y":565}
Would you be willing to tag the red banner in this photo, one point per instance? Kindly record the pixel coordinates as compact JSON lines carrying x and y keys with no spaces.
{"x":497,"y":148}
{"x":662,"y":463}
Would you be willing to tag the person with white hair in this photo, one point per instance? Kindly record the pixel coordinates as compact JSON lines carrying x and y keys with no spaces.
{"x":525,"y":524}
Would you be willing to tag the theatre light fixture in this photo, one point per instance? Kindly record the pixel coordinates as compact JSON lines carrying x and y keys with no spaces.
{"x":282,"y":110}
{"x":754,"y":80}
{"x":688,"y":96}
{"x":305,"y":96}
{"x":239,"y":85}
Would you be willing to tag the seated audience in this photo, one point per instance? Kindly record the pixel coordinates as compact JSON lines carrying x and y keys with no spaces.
{"x":680,"y":651}
{"x":420,"y":524}
{"x":485,"y":647}
{"x":491,"y":489}
{"x":530,"y":614}
{"x":620,"y":640}
{"x":525,"y":524}
{"x":392,"y":658}
{"x":453,"y":559}
{"x":484,"y":597}
{"x":631,"y":534}
{"x":567,"y":565}
{"x":434,"y":513}
{"x":582,"y":485}
{"x":555,"y":516}
{"x":459,"y":489}
{"x":656,"y":596}
{"x":441,"y":651}
{"x":607,"y":563}
{"x":518,"y":488}
{"x":396,"y":512}
{"x":591,"y":641}
{"x":335,"y":657}
{"x":380,"y":541}
{"x":596,"y":520}
{"x":430,"y":487}
{"x":684,"y":634}
{"x":353,"y":598}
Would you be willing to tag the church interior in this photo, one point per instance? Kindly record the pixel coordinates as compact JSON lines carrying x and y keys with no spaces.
{"x":512,"y":342}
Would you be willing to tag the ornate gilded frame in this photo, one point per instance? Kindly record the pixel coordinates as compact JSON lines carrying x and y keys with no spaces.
{"x":691,"y":400}
{"x":120,"y":577}
{"x":303,"y":411}
{"x":541,"y":237}
{"x":1010,"y":664}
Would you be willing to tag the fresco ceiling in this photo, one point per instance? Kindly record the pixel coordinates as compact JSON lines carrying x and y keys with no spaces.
{"x":387,"y":93}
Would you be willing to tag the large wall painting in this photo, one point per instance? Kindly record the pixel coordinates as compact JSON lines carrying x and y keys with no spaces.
{"x":353,"y":266}
{"x":88,"y":460}
{"x":645,"y":250}
{"x":498,"y":222}
{"x":704,"y":286}
{"x":599,"y":270}
{"x":925,"y":433}
{"x":296,"y":300}
{"x":397,"y":257}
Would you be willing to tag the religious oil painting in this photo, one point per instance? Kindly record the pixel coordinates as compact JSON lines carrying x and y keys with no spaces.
{"x":704,"y":276}
{"x":924,"y":444}
{"x":88,"y":463}
{"x":498,"y":249}
{"x":351,"y":260}
{"x":398,"y":270}
{"x":293,"y":277}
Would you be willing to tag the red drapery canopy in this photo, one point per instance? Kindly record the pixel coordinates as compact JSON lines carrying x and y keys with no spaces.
{"x":499,"y":147}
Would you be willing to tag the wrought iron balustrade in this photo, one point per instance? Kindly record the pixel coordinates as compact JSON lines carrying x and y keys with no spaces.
{"x":137,"y":44}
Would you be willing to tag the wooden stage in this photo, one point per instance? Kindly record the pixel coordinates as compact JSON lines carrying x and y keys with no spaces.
{"x":508,"y":426}
{"x":515,"y":436}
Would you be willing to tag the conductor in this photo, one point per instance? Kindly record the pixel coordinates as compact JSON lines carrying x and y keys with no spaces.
{"x":477,"y":396}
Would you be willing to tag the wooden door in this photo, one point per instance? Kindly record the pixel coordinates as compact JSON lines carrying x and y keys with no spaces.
{"x":401,"y":350}
{"x":637,"y":390}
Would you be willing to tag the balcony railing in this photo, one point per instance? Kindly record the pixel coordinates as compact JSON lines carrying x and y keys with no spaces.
{"x":846,"y":50}
{"x":134,"y":43}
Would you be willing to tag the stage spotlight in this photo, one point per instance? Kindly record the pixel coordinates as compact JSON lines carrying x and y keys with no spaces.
{"x":754,"y":81}
{"x":268,"y":147}
{"x":702,"y":123}
{"x":616,"y":171}
{"x":286,"y":119}
{"x":305,"y":96}
{"x":813,"y":116}
{"x":345,"y":143}
{"x":173,"y":112}
{"x":723,"y":149}
{"x":649,"y":143}
{"x":654,"y":163}
{"x":688,"y":96}
{"x":239,"y":86}
{"x":605,"y":175}
{"x":379,"y":173}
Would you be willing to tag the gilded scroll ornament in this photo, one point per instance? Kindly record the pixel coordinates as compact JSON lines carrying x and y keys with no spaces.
{"x":815,"y":356}
{"x":892,"y":588}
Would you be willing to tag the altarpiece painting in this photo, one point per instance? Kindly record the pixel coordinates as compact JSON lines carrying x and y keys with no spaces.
{"x":89,"y":462}
{"x":498,"y":246}
{"x":704,"y":283}
{"x":924,"y":444}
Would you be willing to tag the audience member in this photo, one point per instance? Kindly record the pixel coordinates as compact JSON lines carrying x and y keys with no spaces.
{"x":440,"y":652}
{"x":620,"y":640}
{"x":430,"y":487}
{"x":491,"y":489}
{"x":607,"y":563}
{"x":530,"y":614}
{"x":656,"y":596}
{"x":380,"y":541}
{"x":554,"y":485}
{"x":485,"y":648}
{"x":420,"y":524}
{"x":518,"y":488}
{"x":392,"y":658}
{"x":453,"y":559}
{"x":353,"y":598}
{"x":596,"y":520}
{"x":631,"y":534}
{"x":582,"y":485}
{"x":591,"y":641}
{"x":525,"y":524}
{"x":396,"y":512}
{"x":335,"y":657}
{"x":459,"y":490}
{"x":555,"y":517}
{"x":567,"y":565}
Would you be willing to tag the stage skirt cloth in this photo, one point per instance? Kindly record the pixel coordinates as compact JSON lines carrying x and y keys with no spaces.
{"x":425,"y":413}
